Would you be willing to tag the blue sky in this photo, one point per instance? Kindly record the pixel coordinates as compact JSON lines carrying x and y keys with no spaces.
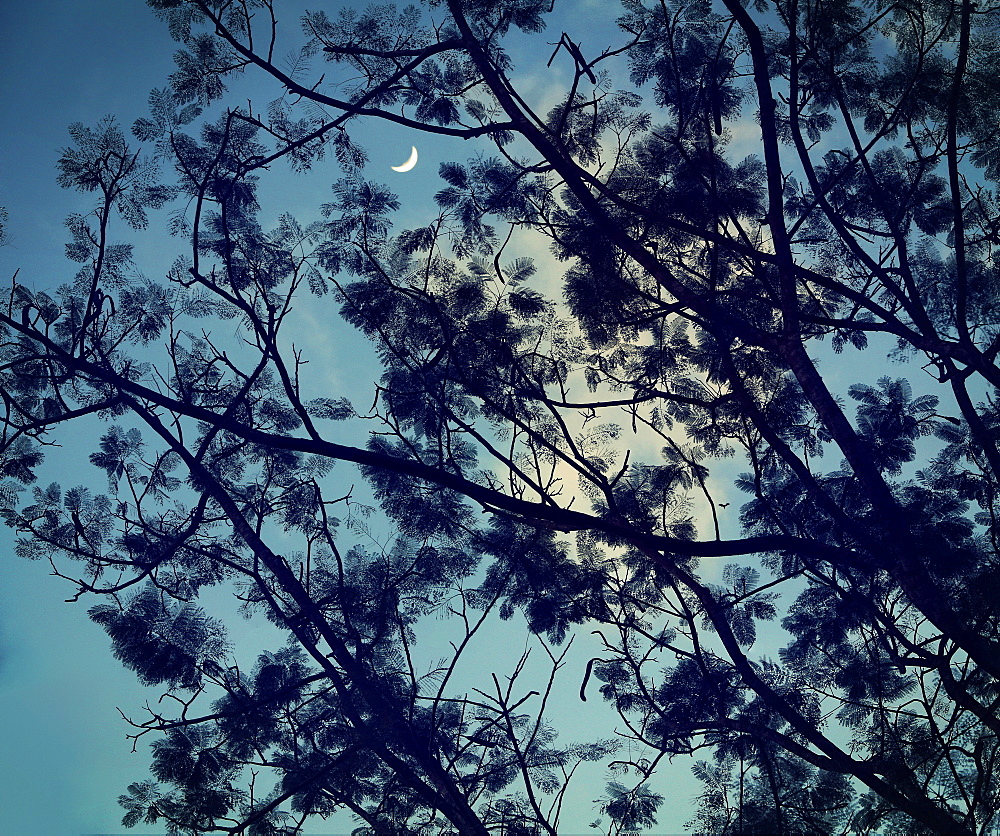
{"x":65,"y":756}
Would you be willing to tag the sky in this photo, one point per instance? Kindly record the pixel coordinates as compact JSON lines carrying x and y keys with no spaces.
{"x":65,"y":755}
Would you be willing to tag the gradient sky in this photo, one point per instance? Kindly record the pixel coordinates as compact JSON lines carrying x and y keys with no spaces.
{"x":65,"y":758}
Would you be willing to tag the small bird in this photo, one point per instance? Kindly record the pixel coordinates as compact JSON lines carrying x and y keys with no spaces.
{"x":79,"y":531}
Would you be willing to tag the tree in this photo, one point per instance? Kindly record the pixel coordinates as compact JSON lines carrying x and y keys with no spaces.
{"x":561,"y":455}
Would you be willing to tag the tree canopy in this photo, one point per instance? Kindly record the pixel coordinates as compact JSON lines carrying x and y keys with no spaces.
{"x":722,"y":254}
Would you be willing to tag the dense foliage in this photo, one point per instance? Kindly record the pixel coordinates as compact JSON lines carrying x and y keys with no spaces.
{"x":749,"y":207}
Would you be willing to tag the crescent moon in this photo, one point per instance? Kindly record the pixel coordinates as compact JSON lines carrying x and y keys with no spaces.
{"x":409,"y":163}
